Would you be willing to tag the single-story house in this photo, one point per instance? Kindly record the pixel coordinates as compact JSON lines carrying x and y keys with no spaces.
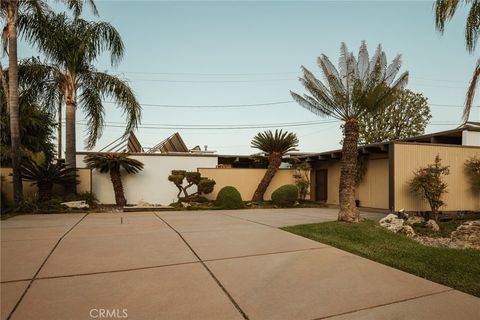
{"x":390,"y":165}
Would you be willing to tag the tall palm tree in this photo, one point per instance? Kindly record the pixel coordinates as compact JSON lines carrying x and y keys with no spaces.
{"x":362,"y":86}
{"x":444,"y":12}
{"x":10,"y":12}
{"x":275,"y":145}
{"x":113,"y":163}
{"x":71,"y":47}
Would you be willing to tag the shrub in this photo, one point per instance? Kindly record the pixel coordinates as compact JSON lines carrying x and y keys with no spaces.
{"x":428,"y":184}
{"x":472,"y":168}
{"x":285,"y":196}
{"x":229,"y":198}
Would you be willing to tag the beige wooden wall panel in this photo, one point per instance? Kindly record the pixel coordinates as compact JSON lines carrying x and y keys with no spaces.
{"x":84,"y":178}
{"x":373,"y":190}
{"x":333,"y":177}
{"x":410,"y":157}
{"x":245,"y":180}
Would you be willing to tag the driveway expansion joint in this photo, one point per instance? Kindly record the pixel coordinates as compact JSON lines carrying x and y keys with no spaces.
{"x":385,"y":304}
{"x":41,"y":266}
{"x":229,"y":296}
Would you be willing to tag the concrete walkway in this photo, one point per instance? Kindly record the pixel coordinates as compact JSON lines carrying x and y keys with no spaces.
{"x":202,"y":265}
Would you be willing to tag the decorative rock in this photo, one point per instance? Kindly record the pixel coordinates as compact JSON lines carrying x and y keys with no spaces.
{"x":408,"y":231}
{"x":76,"y":204}
{"x":392,"y":222}
{"x":469,"y":233}
{"x":186,"y":204}
{"x":432,"y":225}
{"x":415,"y":219}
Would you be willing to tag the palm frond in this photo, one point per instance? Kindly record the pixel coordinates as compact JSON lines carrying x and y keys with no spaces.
{"x":472,"y":88}
{"x":98,"y":85}
{"x":275,"y":142}
{"x":106,"y":162}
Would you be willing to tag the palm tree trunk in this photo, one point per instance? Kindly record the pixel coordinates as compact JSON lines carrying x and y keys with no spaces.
{"x":274,"y":161}
{"x":59,"y":131}
{"x":45,"y":191}
{"x":348,"y":210}
{"x":118,"y":187}
{"x":70,"y":137}
{"x":12,"y":8}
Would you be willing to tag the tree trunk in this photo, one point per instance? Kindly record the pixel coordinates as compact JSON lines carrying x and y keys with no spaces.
{"x":116,"y":178}
{"x":12,"y":12}
{"x":70,"y":137}
{"x":59,"y":131}
{"x":45,"y":191}
{"x":348,"y":210}
{"x":274,"y":161}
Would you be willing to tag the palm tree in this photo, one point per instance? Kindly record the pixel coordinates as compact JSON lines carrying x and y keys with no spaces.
{"x":71,"y":47}
{"x":36,"y":125}
{"x":444,"y":12}
{"x":11,"y":11}
{"x":45,"y":174}
{"x":361,"y":87}
{"x":275,"y":145}
{"x":113,"y":163}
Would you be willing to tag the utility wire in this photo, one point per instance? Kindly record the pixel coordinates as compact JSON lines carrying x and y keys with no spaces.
{"x":257,"y":105}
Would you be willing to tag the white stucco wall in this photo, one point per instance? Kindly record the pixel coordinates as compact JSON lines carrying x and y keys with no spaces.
{"x":471,"y":138}
{"x":151,"y":184}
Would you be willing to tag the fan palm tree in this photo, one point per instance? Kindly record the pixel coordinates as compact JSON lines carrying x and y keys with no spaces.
{"x":10,"y":12}
{"x":444,"y":12}
{"x":71,"y":47}
{"x":275,"y":146}
{"x":362,"y":86}
{"x":113,"y":163}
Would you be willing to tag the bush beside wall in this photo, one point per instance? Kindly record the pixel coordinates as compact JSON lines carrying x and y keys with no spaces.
{"x":229,"y":198}
{"x":285,"y":196}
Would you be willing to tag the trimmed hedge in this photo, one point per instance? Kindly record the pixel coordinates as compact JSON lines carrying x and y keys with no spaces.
{"x":285,"y":196}
{"x":229,"y":198}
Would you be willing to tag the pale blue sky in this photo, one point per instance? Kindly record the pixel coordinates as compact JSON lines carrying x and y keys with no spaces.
{"x":255,"y":50}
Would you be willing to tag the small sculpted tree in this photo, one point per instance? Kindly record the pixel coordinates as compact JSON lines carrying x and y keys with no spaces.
{"x":203,"y":184}
{"x":428,"y":183}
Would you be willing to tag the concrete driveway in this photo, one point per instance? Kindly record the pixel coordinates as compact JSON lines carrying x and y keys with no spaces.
{"x":202,"y":265}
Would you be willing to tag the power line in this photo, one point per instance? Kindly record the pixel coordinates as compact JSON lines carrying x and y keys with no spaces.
{"x":227,"y":74}
{"x":256,"y":105}
{"x":212,"y":106}
{"x":217,"y":127}
{"x":209,"y":81}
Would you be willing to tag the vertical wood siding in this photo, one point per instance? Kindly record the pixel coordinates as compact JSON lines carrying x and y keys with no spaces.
{"x":409,"y":157}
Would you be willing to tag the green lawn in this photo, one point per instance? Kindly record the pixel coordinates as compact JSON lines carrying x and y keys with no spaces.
{"x":456,"y":268}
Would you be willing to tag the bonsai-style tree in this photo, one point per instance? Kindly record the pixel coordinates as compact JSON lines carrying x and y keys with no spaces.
{"x":275,"y":145}
{"x":193,"y":178}
{"x":361,"y":86}
{"x":472,"y":168}
{"x":429,"y":185}
{"x":45,"y":174}
{"x":113,"y":163}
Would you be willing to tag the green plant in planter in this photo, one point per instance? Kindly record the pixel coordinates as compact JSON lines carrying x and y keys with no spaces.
{"x":45,"y":174}
{"x":193,"y":178}
{"x":285,"y":196}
